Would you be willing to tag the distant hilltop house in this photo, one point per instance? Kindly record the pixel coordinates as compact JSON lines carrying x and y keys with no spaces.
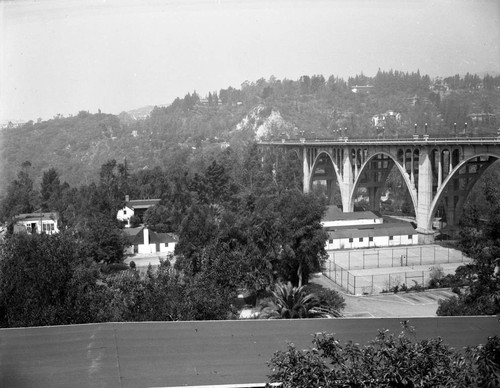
{"x":144,"y":240}
{"x":365,"y":229}
{"x":362,"y":89}
{"x":135,"y":207}
{"x":380,"y":120}
{"x":37,"y":222}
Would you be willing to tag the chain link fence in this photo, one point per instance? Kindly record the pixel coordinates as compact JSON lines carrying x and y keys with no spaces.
{"x":373,"y":271}
{"x":396,"y":257}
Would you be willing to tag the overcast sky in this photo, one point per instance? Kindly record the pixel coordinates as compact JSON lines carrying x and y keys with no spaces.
{"x":66,"y":56}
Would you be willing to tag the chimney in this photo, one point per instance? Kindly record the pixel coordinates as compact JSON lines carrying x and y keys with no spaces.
{"x":127,"y":198}
{"x":146,"y":236}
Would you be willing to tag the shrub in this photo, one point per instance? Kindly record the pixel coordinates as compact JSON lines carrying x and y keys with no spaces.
{"x":114,"y":267}
{"x":132,"y":265}
{"x":327,"y":298}
{"x":388,"y":361}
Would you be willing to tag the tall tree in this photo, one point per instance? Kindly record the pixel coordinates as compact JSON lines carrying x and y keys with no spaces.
{"x":50,"y":190}
{"x":21,"y":196}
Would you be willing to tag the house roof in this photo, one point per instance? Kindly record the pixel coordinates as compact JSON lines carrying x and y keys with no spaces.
{"x":373,"y":230}
{"x":141,"y":203}
{"x":37,"y":216}
{"x":135,"y":236}
{"x":333,"y":213}
{"x":146,"y":354}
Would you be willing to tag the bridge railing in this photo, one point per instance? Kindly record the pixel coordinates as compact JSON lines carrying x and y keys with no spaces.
{"x":419,"y":140}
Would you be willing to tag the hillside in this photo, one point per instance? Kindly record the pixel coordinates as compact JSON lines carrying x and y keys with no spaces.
{"x":192,"y":127}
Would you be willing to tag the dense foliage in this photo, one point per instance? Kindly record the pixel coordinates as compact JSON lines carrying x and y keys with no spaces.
{"x":242,"y":220}
{"x":49,"y":280}
{"x":388,"y":361}
{"x":480,"y":240}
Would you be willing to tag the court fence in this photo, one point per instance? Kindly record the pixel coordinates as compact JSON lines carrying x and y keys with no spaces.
{"x":375,"y":283}
{"x":342,"y":267}
{"x":396,"y":257}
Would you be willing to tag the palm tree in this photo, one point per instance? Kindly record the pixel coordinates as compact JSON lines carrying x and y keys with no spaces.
{"x":291,"y":302}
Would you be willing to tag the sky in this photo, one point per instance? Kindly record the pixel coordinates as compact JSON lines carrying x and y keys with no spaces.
{"x":61,"y":57}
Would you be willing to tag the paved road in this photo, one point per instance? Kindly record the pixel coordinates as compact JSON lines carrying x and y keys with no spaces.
{"x":189,"y":353}
{"x":411,"y":304}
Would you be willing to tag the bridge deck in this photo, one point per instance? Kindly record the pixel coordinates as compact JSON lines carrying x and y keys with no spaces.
{"x":409,"y":140}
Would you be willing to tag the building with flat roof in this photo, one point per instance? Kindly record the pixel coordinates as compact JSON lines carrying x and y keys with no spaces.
{"x":37,"y":222}
{"x":365,"y":229}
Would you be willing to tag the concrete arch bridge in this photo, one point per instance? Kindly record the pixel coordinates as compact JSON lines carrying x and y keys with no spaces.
{"x":436,"y":171}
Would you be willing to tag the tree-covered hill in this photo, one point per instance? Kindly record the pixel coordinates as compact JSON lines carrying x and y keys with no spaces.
{"x":192,"y":128}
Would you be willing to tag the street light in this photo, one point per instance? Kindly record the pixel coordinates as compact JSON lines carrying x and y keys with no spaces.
{"x":465,"y":129}
{"x":455,"y":125}
{"x":426,"y":135}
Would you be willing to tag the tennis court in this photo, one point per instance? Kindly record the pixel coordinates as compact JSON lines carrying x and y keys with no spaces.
{"x":395,"y":257}
{"x":372,"y":271}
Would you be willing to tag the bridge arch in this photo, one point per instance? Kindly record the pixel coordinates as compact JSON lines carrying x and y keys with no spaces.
{"x":333,"y":159}
{"x":395,"y":162}
{"x":453,"y":175}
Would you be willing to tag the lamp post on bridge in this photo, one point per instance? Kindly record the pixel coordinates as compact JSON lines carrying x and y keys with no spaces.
{"x":455,"y":125}
{"x":465,"y":129}
{"x":426,"y":135}
{"x":345,"y":134}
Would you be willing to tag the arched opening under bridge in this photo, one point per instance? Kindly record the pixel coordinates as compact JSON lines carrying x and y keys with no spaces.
{"x":383,"y":184}
{"x":324,"y":179}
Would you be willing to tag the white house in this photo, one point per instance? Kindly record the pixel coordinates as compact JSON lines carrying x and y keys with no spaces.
{"x":136,"y":207}
{"x":39,"y":222}
{"x":143,"y":240}
{"x":365,"y":230}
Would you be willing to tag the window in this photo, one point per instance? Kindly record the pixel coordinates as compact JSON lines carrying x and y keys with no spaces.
{"x":410,"y":236}
{"x":391,"y":238}
{"x":124,"y":212}
{"x":330,"y":241}
{"x":361,"y":239}
{"x":351,"y":240}
{"x":370,"y":239}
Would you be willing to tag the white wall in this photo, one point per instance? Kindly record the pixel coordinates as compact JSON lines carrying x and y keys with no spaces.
{"x":39,"y":225}
{"x":121,"y":216}
{"x":151,"y":248}
{"x":378,"y":241}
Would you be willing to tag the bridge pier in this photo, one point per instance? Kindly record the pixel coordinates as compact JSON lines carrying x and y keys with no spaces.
{"x":424,"y":198}
{"x":306,"y":171}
